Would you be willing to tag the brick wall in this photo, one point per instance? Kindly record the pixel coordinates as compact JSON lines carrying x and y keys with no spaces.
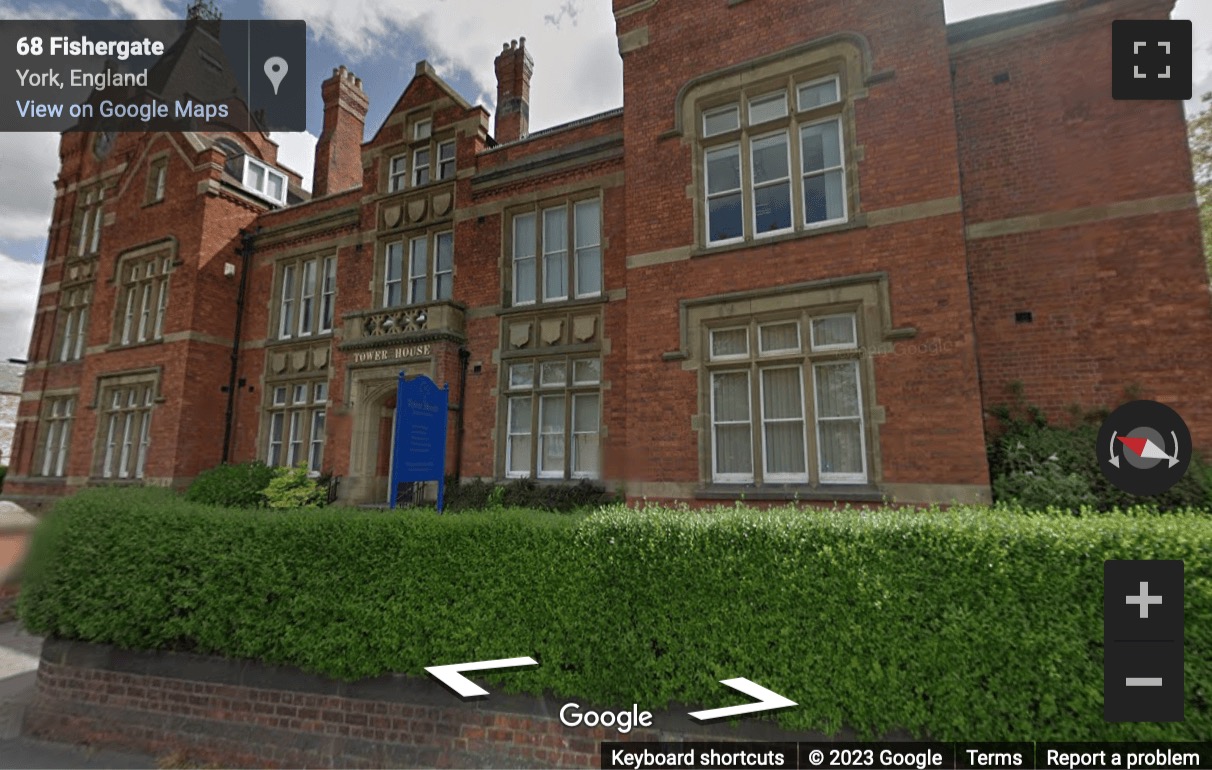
{"x":1112,"y":271}
{"x":246,"y":714}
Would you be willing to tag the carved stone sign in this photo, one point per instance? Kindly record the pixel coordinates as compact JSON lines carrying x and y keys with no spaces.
{"x":392,"y":354}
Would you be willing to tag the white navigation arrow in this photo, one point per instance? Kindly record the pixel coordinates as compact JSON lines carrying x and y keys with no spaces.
{"x":767,"y":699}
{"x":451,"y":674}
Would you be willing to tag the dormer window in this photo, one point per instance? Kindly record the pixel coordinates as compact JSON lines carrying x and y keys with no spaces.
{"x":259,"y":178}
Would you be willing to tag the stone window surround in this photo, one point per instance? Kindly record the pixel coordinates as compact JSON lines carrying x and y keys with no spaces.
{"x":320,"y":258}
{"x":71,"y":327}
{"x":428,"y":231}
{"x":49,"y":397}
{"x":845,"y":55}
{"x":157,"y":185}
{"x":537,"y":207}
{"x":165,"y":248}
{"x":105,"y":384}
{"x":535,"y":392}
{"x":866,"y":295}
{"x":408,"y":146}
{"x":307,"y":411}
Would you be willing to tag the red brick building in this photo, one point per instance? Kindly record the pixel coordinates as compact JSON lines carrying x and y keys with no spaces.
{"x":802,"y":260}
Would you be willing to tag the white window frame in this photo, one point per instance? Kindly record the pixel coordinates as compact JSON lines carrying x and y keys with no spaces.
{"x":307,"y":297}
{"x":58,"y":436}
{"x":716,"y":474}
{"x":394,"y":250}
{"x":418,"y":166}
{"x":734,"y":107}
{"x":754,"y":185}
{"x":713,"y":356}
{"x":840,"y":478}
{"x":422,"y":129}
{"x":708,"y":196}
{"x":804,"y":175}
{"x":286,"y":310}
{"x":782,"y":478}
{"x":438,"y":274}
{"x":560,"y":258}
{"x":445,"y":162}
{"x":261,"y":187}
{"x":510,"y":434}
{"x":837,"y":92}
{"x":328,"y":296}
{"x":532,"y":257}
{"x":413,"y":277}
{"x":852,"y":345}
{"x":397,"y":178}
{"x":579,"y":249}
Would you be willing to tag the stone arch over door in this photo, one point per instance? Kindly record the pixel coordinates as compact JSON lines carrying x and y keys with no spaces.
{"x":373,"y":407}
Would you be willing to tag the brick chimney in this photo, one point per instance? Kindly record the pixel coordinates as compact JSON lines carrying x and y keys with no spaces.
{"x":339,"y":151}
{"x":514,"y":68}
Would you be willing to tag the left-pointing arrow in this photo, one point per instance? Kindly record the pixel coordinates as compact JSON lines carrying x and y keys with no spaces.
{"x":451,"y":674}
{"x":767,"y":700}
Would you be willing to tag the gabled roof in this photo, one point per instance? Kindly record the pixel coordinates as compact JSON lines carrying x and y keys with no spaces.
{"x":424,"y":70}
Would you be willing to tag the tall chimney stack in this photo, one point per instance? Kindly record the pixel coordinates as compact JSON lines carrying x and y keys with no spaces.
{"x":514,"y":68}
{"x":339,"y":151}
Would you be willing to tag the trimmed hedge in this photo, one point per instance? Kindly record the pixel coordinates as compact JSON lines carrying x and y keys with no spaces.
{"x":965,"y":624}
{"x":236,"y":486}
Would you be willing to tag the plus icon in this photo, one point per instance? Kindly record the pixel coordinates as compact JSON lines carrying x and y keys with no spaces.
{"x":1144,"y":600}
{"x":1151,"y":59}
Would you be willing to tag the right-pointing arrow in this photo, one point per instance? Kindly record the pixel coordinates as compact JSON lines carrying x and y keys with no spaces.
{"x":767,"y":700}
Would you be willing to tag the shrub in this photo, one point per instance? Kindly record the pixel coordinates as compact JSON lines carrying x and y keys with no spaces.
{"x":1035,"y":463}
{"x":965,"y":624}
{"x":233,"y":486}
{"x":3,"y":473}
{"x":294,"y":488}
{"x":477,"y":495}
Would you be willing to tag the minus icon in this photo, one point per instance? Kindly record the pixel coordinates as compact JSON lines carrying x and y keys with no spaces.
{"x":1144,"y":681}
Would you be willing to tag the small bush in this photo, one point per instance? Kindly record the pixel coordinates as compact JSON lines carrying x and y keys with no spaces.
{"x":293,"y":488}
{"x":1035,"y":463}
{"x":3,"y":473}
{"x":232,"y":486}
{"x":477,"y":495}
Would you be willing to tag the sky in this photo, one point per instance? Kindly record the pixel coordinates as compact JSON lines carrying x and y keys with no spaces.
{"x":577,"y":73}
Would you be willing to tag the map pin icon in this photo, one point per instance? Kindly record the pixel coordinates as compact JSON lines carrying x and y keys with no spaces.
{"x":275,"y":70}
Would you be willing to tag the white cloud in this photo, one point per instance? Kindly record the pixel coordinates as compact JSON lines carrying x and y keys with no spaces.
{"x":297,"y":151}
{"x":18,"y":299}
{"x":29,"y":164}
{"x":568,"y":36}
{"x":145,"y":10}
{"x":11,"y":12}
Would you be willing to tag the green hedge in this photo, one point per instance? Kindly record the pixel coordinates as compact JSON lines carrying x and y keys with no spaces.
{"x":966,"y":624}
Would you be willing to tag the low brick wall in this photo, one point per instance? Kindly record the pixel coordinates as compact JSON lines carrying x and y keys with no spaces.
{"x":247,"y":714}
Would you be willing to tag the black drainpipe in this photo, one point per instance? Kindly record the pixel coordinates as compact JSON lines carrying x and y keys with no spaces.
{"x":246,"y":252}
{"x":464,"y":357}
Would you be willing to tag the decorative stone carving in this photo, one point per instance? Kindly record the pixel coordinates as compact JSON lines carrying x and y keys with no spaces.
{"x":441,"y":203}
{"x":551,"y":330}
{"x":298,"y":360}
{"x":416,"y":210}
{"x":278,"y":363}
{"x":519,"y":334}
{"x":319,"y":358}
{"x":584,"y":328}
{"x":394,"y":322}
{"x":393,"y":216}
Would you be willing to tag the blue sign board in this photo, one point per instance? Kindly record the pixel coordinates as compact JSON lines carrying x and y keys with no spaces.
{"x":419,"y":453}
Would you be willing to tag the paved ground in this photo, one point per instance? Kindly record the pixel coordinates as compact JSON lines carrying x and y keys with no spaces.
{"x":18,"y":665}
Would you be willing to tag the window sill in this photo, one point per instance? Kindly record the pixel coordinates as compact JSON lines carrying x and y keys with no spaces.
{"x":855,"y":223}
{"x":845,"y":493}
{"x":283,"y":341}
{"x":98,"y":481}
{"x":534,"y":307}
{"x":134,"y":345}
